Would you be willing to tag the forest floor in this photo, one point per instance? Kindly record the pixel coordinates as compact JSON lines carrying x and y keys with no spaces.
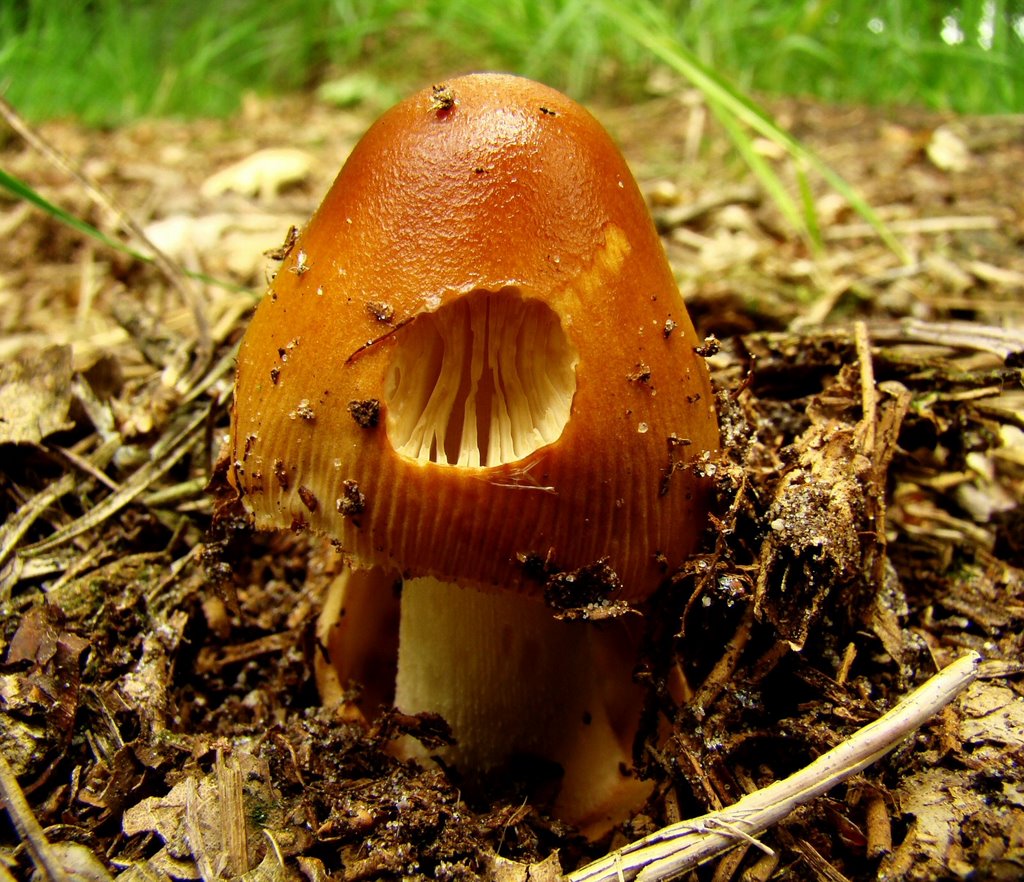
{"x":157,"y":699}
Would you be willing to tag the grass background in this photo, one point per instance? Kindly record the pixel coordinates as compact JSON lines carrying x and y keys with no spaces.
{"x":111,"y":61}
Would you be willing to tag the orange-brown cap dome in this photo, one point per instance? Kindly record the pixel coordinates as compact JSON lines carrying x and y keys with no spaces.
{"x":475,"y":354}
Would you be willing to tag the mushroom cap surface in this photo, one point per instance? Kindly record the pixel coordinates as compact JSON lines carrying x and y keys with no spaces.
{"x":488,"y":211}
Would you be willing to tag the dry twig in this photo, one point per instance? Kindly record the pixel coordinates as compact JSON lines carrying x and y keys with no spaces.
{"x":20,"y":813}
{"x":680,"y":847}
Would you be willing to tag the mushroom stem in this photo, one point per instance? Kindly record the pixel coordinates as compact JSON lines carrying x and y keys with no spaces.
{"x":358,"y":631}
{"x":512,"y":681}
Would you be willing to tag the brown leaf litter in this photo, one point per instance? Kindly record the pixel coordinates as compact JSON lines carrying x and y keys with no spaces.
{"x":157,"y":707}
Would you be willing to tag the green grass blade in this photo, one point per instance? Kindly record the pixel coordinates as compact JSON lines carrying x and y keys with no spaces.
{"x":735,"y":110}
{"x":19,"y":189}
{"x":810,"y":214}
{"x":771,"y":182}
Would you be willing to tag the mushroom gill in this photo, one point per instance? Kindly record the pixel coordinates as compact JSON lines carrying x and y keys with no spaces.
{"x":485,"y":380}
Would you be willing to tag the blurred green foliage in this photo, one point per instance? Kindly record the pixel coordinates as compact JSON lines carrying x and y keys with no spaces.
{"x":108,"y":61}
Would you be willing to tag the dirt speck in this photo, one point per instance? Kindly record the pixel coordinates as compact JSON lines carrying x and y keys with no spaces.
{"x":304,"y":411}
{"x":585,"y":593}
{"x":282,"y":251}
{"x":281,"y":474}
{"x":352,"y":501}
{"x":366,"y":412}
{"x":308,"y":498}
{"x":382,"y":311}
{"x":442,"y":100}
{"x":640,"y":374}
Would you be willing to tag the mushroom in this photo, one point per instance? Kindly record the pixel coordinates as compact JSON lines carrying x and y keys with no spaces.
{"x":475,"y":374}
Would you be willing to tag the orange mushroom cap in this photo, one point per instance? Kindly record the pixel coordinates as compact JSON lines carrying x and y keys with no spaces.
{"x":476,"y":355}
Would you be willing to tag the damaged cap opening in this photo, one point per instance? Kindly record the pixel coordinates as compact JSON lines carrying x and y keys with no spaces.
{"x":486,"y":379}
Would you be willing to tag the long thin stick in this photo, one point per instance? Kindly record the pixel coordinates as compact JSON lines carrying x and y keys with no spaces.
{"x":13,"y":799}
{"x":681,"y":847}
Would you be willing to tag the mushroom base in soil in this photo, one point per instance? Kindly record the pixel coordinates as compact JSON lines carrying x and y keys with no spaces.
{"x":515,"y":684}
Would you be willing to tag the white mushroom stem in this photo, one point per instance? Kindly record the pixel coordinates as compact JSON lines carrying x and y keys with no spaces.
{"x":512,"y":680}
